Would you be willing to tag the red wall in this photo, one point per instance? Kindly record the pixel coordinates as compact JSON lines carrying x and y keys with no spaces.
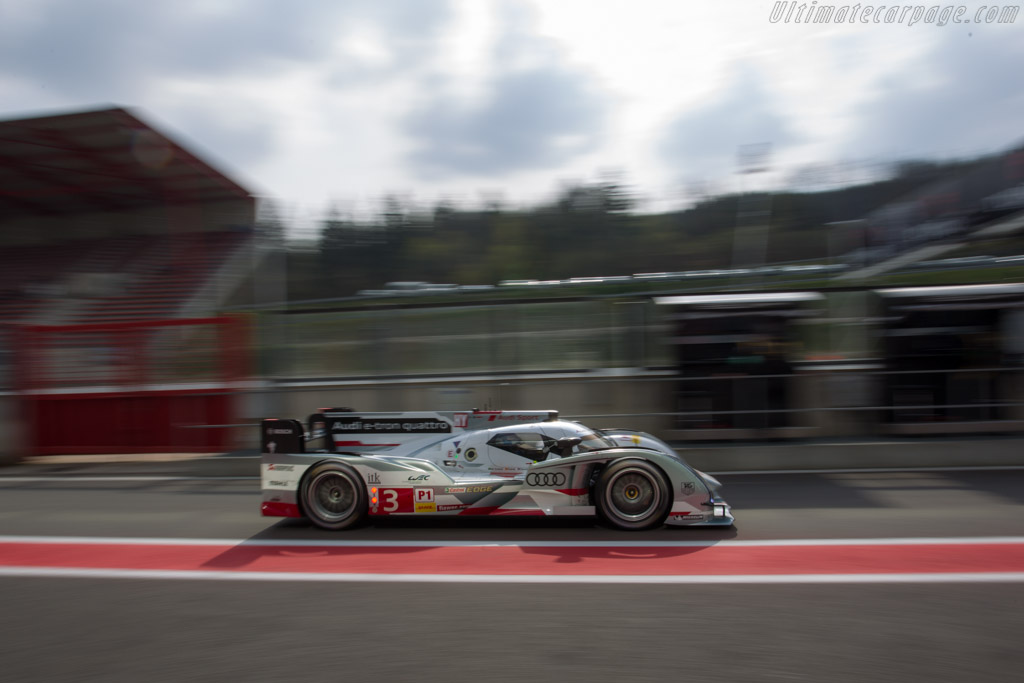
{"x":136,"y":422}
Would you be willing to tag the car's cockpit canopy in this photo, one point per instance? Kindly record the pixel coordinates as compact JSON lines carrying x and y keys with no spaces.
{"x":526,"y":444}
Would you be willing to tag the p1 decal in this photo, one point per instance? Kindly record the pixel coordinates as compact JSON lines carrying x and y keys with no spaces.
{"x":424,"y":500}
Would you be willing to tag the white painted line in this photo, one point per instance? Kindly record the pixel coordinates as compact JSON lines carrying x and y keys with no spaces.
{"x":960,"y":577}
{"x":263,"y":543}
{"x":117,"y":478}
{"x":876,"y":470}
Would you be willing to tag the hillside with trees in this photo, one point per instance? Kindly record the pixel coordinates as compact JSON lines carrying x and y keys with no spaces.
{"x":588,"y":230}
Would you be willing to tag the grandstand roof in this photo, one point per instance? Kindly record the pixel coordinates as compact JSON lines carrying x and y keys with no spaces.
{"x":98,"y":161}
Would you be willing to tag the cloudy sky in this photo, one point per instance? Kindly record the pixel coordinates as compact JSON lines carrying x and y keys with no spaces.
{"x":315,"y":103}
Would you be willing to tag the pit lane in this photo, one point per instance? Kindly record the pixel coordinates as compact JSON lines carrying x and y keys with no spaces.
{"x":848,"y":504}
{"x":126,"y":629}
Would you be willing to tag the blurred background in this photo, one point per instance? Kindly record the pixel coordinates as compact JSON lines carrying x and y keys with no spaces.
{"x":715,"y":224}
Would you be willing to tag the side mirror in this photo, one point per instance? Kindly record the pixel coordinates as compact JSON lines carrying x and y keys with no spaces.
{"x":564,"y":446}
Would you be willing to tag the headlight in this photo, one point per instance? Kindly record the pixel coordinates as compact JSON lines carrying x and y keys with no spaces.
{"x":720,"y":510}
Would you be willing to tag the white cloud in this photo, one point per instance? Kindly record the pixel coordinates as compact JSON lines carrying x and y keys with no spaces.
{"x":326,"y":100}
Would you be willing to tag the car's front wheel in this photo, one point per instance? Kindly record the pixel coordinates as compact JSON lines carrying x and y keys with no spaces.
{"x":632,"y":495}
{"x":334,"y":496}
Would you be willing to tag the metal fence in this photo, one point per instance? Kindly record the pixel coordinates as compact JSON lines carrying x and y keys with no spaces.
{"x":509,"y":338}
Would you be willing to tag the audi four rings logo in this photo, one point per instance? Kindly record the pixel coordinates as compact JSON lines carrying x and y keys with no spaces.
{"x":545,"y":478}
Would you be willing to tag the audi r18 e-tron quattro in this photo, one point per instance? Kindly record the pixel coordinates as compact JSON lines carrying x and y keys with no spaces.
{"x":344,"y":468}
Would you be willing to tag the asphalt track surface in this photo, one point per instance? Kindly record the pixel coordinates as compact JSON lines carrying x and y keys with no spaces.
{"x":885,"y":576}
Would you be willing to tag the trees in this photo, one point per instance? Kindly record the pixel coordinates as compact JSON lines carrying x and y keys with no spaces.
{"x":588,"y":229}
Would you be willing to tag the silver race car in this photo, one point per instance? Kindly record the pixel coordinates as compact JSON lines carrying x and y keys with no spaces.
{"x":348,"y":467}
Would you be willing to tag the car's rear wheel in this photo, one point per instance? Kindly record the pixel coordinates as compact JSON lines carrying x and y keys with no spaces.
{"x":632,"y":495}
{"x":334,"y":496}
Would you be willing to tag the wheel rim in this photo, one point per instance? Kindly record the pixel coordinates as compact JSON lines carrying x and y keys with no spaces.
{"x":332,"y":496}
{"x":633,"y":495}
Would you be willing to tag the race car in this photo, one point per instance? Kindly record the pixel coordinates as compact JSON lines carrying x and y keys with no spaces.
{"x":344,"y":468}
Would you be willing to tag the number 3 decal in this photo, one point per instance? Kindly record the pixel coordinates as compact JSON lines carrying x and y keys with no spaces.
{"x":390,"y":500}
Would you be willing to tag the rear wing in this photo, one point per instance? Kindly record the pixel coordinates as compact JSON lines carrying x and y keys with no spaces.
{"x":282,"y":436}
{"x":341,"y":429}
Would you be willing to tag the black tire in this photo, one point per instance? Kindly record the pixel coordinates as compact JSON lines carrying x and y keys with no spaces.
{"x":334,"y":496}
{"x":632,"y":495}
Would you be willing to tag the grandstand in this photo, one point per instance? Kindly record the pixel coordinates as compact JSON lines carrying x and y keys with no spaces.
{"x":106,"y":221}
{"x":986,"y":201}
{"x":104,"y":218}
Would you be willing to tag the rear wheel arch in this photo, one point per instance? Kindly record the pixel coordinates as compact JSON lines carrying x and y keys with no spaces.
{"x":332,"y":494}
{"x":302,"y":483}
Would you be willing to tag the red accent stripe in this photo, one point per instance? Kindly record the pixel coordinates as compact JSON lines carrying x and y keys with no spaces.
{"x":501,"y":512}
{"x":573,"y":492}
{"x":505,"y":560}
{"x":272,"y":509}
{"x":482,"y":510}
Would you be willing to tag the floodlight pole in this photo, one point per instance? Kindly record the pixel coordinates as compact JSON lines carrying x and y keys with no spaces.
{"x":753,"y":212}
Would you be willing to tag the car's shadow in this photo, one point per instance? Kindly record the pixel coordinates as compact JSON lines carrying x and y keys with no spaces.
{"x":565,"y":540}
{"x":489,"y":529}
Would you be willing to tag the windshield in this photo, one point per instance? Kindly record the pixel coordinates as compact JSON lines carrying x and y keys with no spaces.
{"x":592,"y":441}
